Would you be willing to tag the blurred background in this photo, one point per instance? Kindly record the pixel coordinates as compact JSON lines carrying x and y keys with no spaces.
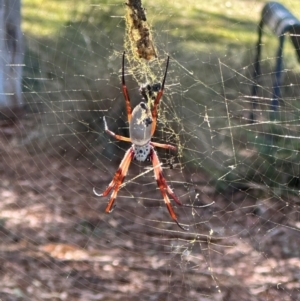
{"x":57,"y":241}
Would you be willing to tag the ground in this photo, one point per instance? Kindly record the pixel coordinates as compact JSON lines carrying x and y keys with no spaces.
{"x":58,"y":244}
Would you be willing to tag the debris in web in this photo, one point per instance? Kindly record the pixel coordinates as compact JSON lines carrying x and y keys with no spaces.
{"x":138,"y":30}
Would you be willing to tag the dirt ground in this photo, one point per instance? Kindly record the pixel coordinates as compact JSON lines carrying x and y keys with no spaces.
{"x":58,"y":244}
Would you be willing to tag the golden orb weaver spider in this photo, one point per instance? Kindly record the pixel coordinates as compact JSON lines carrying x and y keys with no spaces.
{"x":142,"y":125}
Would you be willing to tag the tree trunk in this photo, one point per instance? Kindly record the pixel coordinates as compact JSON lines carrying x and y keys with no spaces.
{"x":11,"y":60}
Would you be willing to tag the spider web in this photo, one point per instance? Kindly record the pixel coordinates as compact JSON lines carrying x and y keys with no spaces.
{"x":59,"y":244}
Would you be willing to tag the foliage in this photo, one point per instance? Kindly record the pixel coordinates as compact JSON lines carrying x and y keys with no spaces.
{"x":195,"y":33}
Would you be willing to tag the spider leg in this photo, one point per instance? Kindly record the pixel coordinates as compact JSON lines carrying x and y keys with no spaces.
{"x":118,"y":137}
{"x":117,"y":180}
{"x":170,"y":191}
{"x":162,"y":145}
{"x":163,"y":186}
{"x":157,"y":99}
{"x":125,"y":91}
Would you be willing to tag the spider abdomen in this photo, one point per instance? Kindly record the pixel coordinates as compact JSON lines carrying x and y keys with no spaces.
{"x":140,"y":125}
{"x":141,"y":153}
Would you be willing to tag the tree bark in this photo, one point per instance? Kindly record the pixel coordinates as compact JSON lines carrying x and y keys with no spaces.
{"x":11,"y":60}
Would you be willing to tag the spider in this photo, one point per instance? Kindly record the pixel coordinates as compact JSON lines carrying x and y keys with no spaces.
{"x":142,"y":125}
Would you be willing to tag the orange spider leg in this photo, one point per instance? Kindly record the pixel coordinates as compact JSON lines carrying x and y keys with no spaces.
{"x":163,"y":186}
{"x":118,"y":137}
{"x":157,"y":99}
{"x":117,"y":180}
{"x":125,"y":91}
{"x":162,"y":145}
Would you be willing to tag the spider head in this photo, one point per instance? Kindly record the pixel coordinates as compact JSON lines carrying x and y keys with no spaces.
{"x":149,"y":91}
{"x":140,"y":124}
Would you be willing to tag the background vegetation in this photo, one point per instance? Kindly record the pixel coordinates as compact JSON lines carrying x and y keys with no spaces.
{"x":76,"y":49}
